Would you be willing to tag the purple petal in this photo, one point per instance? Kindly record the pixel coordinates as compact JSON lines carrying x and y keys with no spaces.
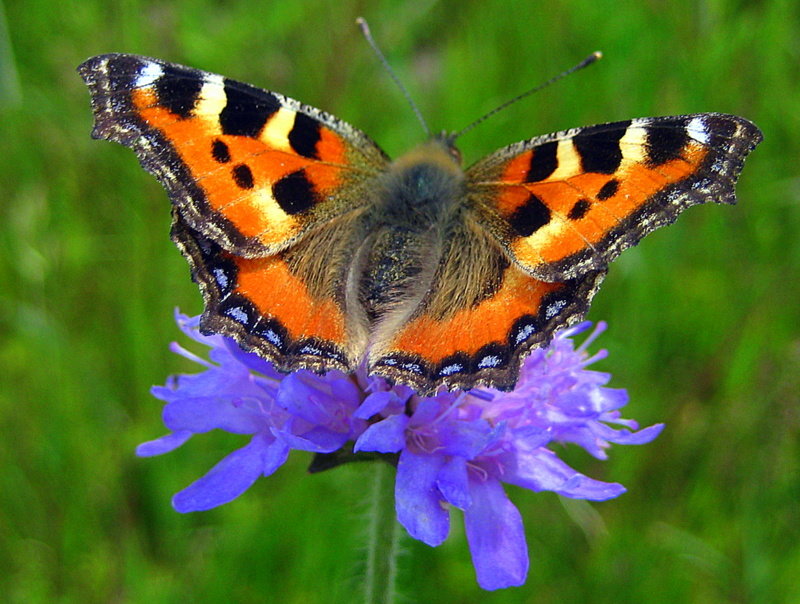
{"x":613,"y":398}
{"x":317,"y":399}
{"x":417,"y":500}
{"x":453,"y":483}
{"x":295,"y":395}
{"x":533,"y":436}
{"x":317,"y":440}
{"x":465,"y":438}
{"x":385,"y":436}
{"x":251,"y":360}
{"x":202,"y":414}
{"x":374,"y":403}
{"x":541,"y":470}
{"x":274,"y":456}
{"x":625,"y":437}
{"x":190,"y":326}
{"x":226,"y":481}
{"x":580,"y":486}
{"x":165,"y":444}
{"x":496,"y":537}
{"x":343,"y":389}
{"x":429,"y":409}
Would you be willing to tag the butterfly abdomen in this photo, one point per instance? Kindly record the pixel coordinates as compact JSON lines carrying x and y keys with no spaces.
{"x":393,"y":266}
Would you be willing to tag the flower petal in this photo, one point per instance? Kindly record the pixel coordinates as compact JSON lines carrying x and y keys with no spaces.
{"x":202,"y":414}
{"x":374,"y":403}
{"x":417,"y":499}
{"x":318,"y":399}
{"x":385,"y":436}
{"x":541,"y":470}
{"x":626,"y":437}
{"x":226,"y":481}
{"x":465,"y":438}
{"x":251,"y":360}
{"x":317,"y":440}
{"x":165,"y":444}
{"x":453,"y":483}
{"x":496,"y":536}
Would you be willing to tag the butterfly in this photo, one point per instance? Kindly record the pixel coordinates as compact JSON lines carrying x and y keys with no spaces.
{"x":315,"y":250}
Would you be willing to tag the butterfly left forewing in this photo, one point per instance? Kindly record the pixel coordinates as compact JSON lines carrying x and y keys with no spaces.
{"x":252,"y":169}
{"x":264,"y":190}
{"x":568,"y":203}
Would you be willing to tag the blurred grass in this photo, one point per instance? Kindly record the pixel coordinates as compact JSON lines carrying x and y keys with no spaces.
{"x":704,"y":315}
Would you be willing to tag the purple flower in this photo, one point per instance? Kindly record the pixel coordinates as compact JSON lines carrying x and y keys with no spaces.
{"x":453,"y":448}
{"x":241,"y":393}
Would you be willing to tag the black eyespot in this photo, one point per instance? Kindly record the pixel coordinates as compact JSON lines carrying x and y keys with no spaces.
{"x":530,"y":216}
{"x":220,"y":152}
{"x":243,"y":176}
{"x":608,"y":190}
{"x":295,"y":193}
{"x":580,"y":209}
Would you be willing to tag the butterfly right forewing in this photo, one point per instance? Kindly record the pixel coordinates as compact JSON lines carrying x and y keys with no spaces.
{"x":568,"y":203}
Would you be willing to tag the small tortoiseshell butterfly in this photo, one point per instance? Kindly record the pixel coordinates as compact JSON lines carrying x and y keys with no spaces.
{"x":315,"y":250}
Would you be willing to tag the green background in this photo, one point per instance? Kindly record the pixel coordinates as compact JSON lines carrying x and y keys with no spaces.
{"x":704,"y":319}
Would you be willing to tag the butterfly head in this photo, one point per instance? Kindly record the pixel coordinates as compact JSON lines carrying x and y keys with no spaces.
{"x":439,"y":151}
{"x":448,"y":141}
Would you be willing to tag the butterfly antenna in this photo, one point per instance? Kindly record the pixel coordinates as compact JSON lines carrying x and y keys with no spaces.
{"x":585,"y":63}
{"x":362,"y":23}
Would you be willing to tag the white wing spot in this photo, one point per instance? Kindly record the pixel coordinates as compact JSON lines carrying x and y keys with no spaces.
{"x":309,"y":349}
{"x":697,"y":130}
{"x":148,"y":74}
{"x":524,"y":334}
{"x":273,"y":337}
{"x":489,"y":361}
{"x":554,"y":308}
{"x":221,"y":278}
{"x":451,"y":369}
{"x":238,"y":315}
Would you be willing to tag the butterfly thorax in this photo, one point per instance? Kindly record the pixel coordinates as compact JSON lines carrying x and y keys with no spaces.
{"x":415,"y":204}
{"x":421,"y":189}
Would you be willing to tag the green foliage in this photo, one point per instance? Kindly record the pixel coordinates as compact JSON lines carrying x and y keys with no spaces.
{"x":704,"y":315}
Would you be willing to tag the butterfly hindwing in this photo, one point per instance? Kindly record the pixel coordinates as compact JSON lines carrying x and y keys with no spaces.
{"x":280,"y":306}
{"x":481,"y":316}
{"x":570,"y":202}
{"x":252,"y":169}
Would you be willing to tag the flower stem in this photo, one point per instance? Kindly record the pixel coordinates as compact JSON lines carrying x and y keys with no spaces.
{"x":382,"y":539}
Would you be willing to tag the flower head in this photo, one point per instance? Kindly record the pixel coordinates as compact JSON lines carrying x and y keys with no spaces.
{"x":453,"y":448}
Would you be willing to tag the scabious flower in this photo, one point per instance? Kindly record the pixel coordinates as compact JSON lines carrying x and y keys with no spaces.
{"x":453,"y":448}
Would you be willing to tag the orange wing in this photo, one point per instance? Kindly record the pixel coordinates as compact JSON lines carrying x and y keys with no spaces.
{"x":251,"y":169}
{"x":485,"y":343}
{"x":556,"y":209}
{"x":267,"y":305}
{"x":568,"y":203}
{"x":481,"y":316}
{"x":260,"y":186}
